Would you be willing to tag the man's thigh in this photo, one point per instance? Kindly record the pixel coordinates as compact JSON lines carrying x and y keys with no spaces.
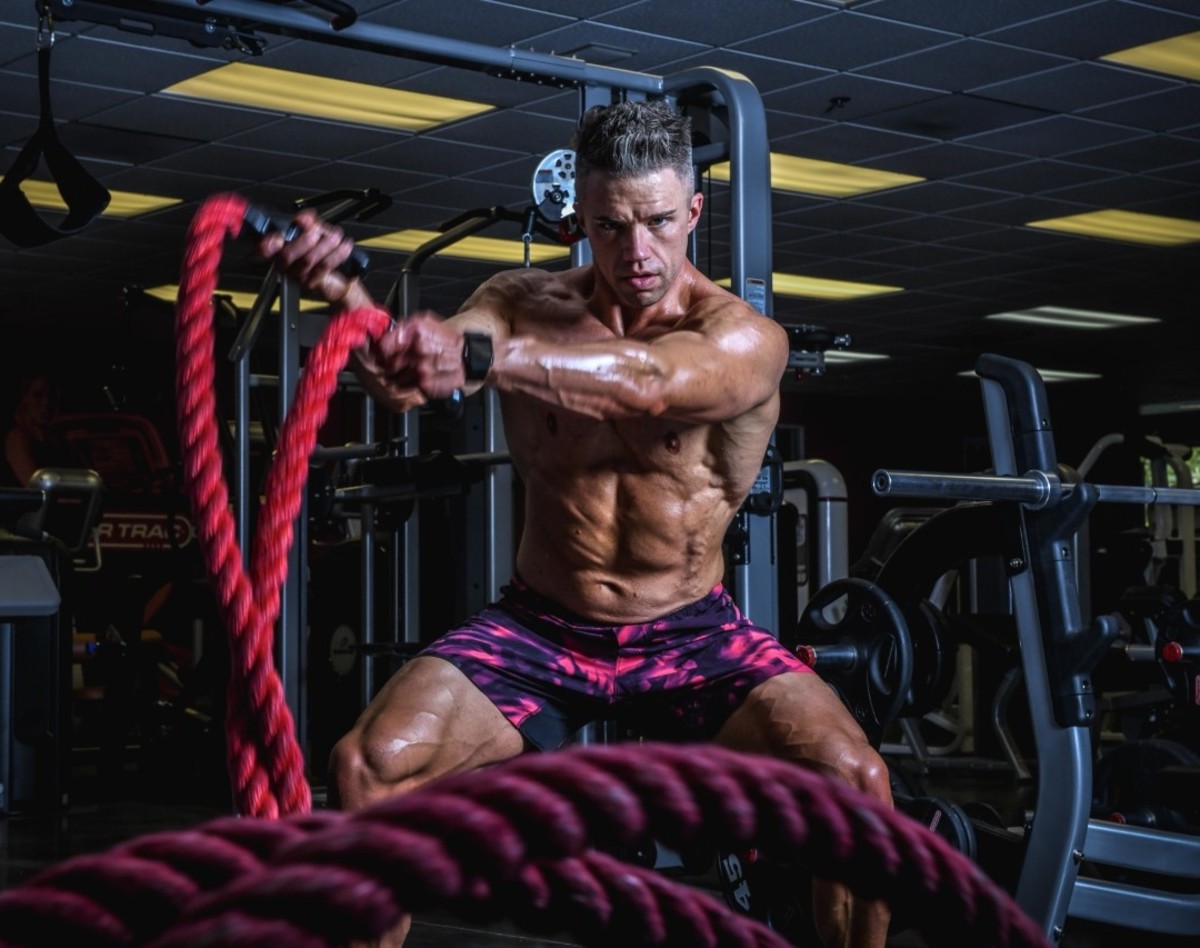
{"x":432,"y":712}
{"x":794,"y":715}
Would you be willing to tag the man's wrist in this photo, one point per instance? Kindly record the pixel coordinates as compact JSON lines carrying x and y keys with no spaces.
{"x":477,"y":356}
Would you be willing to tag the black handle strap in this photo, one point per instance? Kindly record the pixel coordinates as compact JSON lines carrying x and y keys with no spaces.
{"x":84,"y":196}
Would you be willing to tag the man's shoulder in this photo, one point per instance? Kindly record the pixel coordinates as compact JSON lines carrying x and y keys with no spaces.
{"x":534,"y":278}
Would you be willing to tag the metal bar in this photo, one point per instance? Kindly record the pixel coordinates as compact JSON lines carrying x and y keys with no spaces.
{"x":368,"y":577}
{"x":502,"y":61}
{"x":1025,"y":490}
{"x":241,"y":451}
{"x":498,"y":498}
{"x":1055,"y":838}
{"x":1149,"y":910}
{"x":1135,"y":847}
{"x":1035,"y":489}
{"x":289,"y":637}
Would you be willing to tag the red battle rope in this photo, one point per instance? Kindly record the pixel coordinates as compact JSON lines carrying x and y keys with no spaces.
{"x":266,"y":765}
{"x":516,"y":842}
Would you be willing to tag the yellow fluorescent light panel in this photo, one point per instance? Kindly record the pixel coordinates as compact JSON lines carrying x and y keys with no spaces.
{"x":1128,"y":226}
{"x":489,"y":249}
{"x":170,"y":293}
{"x":1071,"y":318}
{"x":824,"y":178}
{"x":121,"y":203}
{"x":1177,"y":56}
{"x":818,"y":288}
{"x":838,"y":356}
{"x":298,"y":93}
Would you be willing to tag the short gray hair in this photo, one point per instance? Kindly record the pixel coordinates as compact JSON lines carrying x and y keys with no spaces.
{"x":631,"y":139}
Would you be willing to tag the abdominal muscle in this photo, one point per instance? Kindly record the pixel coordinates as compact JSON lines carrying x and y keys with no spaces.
{"x":624,"y":522}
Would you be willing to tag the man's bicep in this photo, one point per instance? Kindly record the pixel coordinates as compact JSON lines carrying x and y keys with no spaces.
{"x":717,"y":376}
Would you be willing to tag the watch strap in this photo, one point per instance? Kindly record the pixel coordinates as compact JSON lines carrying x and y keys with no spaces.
{"x":477,"y":355}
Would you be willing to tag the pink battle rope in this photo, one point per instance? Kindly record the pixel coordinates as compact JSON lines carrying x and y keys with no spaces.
{"x":266,"y":764}
{"x":515,"y":842}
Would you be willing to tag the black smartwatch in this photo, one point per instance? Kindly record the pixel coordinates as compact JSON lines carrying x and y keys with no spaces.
{"x":477,"y":355}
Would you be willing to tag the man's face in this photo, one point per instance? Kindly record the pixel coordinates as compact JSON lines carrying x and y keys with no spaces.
{"x":638,"y":230}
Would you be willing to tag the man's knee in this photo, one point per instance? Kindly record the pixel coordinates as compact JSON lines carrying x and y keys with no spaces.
{"x":363,"y":768}
{"x":857,"y":763}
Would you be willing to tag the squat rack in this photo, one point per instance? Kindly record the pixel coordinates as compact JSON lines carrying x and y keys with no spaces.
{"x":731,"y":99}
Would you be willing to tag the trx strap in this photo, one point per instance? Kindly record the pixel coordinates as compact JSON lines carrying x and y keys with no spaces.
{"x":85,"y":197}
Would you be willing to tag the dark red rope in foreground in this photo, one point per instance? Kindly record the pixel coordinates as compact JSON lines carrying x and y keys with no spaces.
{"x":266,"y":764}
{"x":517,"y":841}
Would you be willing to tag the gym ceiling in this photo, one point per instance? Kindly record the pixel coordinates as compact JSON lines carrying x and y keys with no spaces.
{"x":1009,"y":112}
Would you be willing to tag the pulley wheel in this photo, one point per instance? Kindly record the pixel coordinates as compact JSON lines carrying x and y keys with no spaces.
{"x":554,"y":185}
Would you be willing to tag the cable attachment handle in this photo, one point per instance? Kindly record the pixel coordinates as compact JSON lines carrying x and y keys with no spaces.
{"x":261,"y":223}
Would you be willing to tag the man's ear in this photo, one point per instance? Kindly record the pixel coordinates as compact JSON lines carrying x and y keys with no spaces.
{"x":694,"y":210}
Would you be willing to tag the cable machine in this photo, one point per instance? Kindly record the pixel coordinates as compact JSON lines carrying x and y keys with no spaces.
{"x":735,"y":119}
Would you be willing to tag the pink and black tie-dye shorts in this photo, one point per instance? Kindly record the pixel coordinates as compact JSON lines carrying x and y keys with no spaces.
{"x":675,"y":678}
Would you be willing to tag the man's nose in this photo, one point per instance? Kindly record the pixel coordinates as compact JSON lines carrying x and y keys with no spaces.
{"x":636,"y":243}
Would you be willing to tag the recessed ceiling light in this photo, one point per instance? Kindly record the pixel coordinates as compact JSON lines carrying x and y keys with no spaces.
{"x":1128,"y":226}
{"x":298,"y":93}
{"x":819,"y":288}
{"x":823,"y":178}
{"x":840,"y":355}
{"x":1071,"y":318}
{"x":121,"y":203}
{"x":1168,"y":408}
{"x":490,"y":249}
{"x":1049,"y":375}
{"x":1064,"y":375}
{"x":169,"y":292}
{"x":1177,"y":56}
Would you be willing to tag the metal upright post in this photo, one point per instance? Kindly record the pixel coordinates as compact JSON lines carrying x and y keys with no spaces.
{"x":369,"y":574}
{"x":406,"y":540}
{"x":755,"y":577}
{"x":1055,"y":840}
{"x":290,"y":630}
{"x":498,"y":494}
{"x":241,"y":463}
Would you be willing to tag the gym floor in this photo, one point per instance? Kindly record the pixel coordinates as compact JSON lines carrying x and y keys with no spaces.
{"x":31,"y":842}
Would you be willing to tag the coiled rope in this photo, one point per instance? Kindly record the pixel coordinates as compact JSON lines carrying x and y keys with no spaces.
{"x":516,"y":842}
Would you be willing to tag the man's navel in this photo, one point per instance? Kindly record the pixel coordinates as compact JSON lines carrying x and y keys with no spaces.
{"x":672,"y":442}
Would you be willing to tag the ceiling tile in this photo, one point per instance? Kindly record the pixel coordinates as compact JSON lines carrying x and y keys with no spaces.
{"x":1053,"y":136}
{"x":962,"y":65}
{"x":1095,"y":29}
{"x":843,"y":42}
{"x":1075,"y":87}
